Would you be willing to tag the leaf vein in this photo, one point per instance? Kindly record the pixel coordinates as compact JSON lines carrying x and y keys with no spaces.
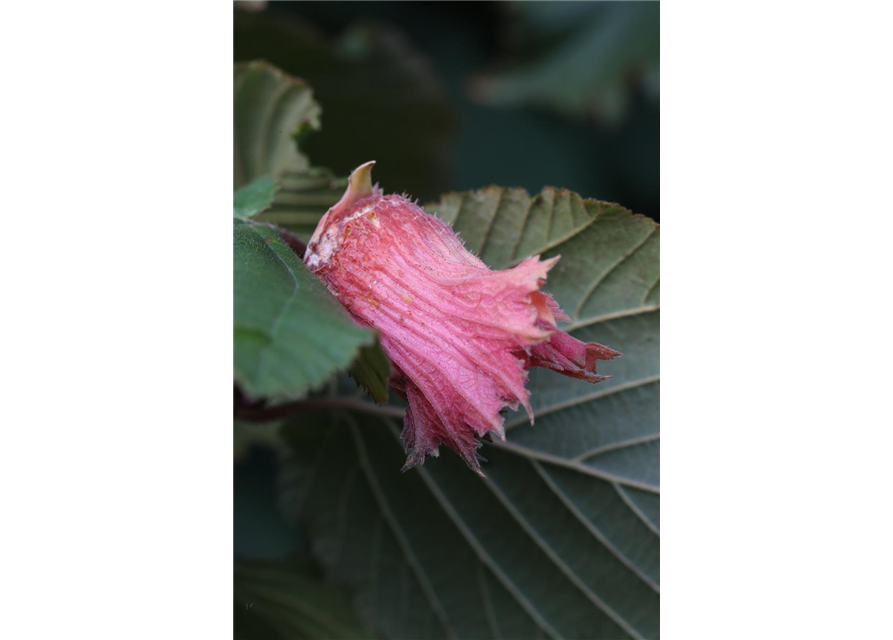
{"x":490,"y":223}
{"x":479,"y":549}
{"x":558,"y":561}
{"x":636,"y":510}
{"x":592,"y":453}
{"x":609,"y":316}
{"x":488,"y":605}
{"x":595,"y":531}
{"x":589,"y":397}
{"x":394,"y":524}
{"x":649,"y":290}
{"x":513,"y":256}
{"x":601,"y":278}
{"x":569,"y":464}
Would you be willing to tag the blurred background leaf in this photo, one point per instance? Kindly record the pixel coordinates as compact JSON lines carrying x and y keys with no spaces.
{"x":250,"y":5}
{"x":562,"y":537}
{"x":382,"y":101}
{"x":579,"y":58}
{"x":456,"y":41}
{"x":247,"y":434}
{"x":272,"y":113}
{"x":289,"y":601}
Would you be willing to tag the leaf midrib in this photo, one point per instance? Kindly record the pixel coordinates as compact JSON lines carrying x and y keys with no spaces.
{"x":274,"y":327}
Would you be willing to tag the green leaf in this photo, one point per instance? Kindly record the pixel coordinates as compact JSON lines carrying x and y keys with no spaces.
{"x":290,"y":333}
{"x":254,"y":198}
{"x":303,"y":200}
{"x":371,"y":371}
{"x":382,"y":98}
{"x":289,"y":601}
{"x":579,"y":58}
{"x":562,"y":538}
{"x":271,"y":113}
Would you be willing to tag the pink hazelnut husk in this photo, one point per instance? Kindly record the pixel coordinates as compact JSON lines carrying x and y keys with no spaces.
{"x":460,"y":336}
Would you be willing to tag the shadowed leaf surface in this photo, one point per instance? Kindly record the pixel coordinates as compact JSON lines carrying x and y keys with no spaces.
{"x":371,"y":371}
{"x":289,"y":601}
{"x":382,"y":99}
